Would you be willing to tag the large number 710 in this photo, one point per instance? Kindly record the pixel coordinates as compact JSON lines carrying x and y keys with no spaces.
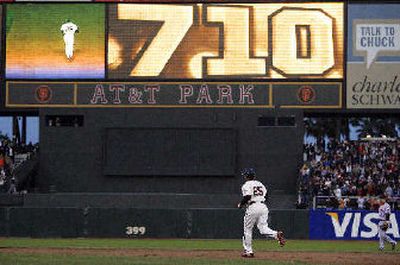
{"x":254,"y":41}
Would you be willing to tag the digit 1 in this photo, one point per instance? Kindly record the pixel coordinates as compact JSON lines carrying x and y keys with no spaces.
{"x":235,"y":57}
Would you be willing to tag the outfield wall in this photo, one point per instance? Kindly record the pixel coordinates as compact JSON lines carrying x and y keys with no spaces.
{"x":187,"y":223}
{"x":136,"y":223}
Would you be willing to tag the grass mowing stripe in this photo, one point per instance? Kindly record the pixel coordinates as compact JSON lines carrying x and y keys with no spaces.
{"x":193,"y":244}
{"x":51,"y":259}
{"x":122,"y":243}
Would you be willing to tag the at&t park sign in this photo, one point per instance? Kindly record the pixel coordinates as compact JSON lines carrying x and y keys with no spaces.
{"x":174,"y":95}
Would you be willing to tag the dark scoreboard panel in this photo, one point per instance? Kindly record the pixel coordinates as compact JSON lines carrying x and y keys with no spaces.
{"x":133,"y":53}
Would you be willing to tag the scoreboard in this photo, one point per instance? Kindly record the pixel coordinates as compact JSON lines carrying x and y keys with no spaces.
{"x":217,"y":40}
{"x":264,"y":55}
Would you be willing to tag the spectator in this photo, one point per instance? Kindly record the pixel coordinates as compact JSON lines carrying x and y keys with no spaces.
{"x":13,"y":188}
{"x":341,"y":204}
{"x":8,"y":152}
{"x":351,"y":168}
{"x":301,"y":199}
{"x":338,"y":193}
{"x":2,"y":161}
{"x":389,"y":191}
{"x":2,"y":180}
{"x":346,"y":202}
{"x":361,"y":202}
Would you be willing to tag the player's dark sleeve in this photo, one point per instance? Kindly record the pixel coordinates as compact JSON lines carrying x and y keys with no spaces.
{"x":245,"y":199}
{"x":387,"y":216}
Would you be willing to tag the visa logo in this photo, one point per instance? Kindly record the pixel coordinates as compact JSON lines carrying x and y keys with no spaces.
{"x":361,"y":225}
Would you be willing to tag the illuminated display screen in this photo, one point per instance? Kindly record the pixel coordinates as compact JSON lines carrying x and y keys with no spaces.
{"x":1,"y":28}
{"x":50,"y":41}
{"x":274,"y":40}
{"x":130,"y":55}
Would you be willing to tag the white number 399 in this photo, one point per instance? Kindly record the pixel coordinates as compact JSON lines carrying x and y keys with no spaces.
{"x":135,"y":230}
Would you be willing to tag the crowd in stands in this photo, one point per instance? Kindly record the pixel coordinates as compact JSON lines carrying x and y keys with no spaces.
{"x":9,"y":151}
{"x":350,"y":174}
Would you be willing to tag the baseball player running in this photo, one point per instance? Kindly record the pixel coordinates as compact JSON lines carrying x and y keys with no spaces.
{"x":383,"y":225}
{"x":254,"y":193}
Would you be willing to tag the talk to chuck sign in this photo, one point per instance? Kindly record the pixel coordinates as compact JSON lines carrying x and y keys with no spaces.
{"x":373,"y":67}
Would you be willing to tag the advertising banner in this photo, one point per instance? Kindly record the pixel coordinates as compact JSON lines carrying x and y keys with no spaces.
{"x":373,"y":65}
{"x":349,"y":225}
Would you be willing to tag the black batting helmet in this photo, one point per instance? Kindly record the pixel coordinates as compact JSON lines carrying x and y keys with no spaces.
{"x":248,"y":173}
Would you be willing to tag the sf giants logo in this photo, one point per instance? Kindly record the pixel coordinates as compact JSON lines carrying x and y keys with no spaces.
{"x":43,"y":94}
{"x":306,"y":94}
{"x":361,"y":226}
{"x":258,"y":40}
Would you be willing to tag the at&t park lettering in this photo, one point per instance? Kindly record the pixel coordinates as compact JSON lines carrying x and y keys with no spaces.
{"x":172,"y":94}
{"x":176,"y":94}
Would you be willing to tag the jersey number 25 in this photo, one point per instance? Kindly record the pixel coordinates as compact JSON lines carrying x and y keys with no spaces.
{"x":257,"y":191}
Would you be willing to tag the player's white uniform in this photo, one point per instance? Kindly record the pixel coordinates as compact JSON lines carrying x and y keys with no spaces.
{"x":68,"y":29}
{"x":383,"y":210}
{"x":256,"y":213}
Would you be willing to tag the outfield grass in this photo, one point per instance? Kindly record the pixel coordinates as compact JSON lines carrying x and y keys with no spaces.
{"x":193,"y":244}
{"x":164,"y":244}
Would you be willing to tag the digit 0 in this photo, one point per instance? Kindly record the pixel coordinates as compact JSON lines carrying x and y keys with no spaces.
{"x":312,"y":52}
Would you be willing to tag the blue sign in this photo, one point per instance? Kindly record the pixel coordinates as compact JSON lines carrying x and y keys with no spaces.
{"x":345,"y":225}
{"x":376,"y":14}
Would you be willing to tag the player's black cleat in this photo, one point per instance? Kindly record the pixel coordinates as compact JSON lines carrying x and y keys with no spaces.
{"x":247,"y":255}
{"x":280,"y":238}
{"x":393,"y":246}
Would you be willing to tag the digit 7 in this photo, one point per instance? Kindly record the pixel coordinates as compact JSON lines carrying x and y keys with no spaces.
{"x":177,"y":21}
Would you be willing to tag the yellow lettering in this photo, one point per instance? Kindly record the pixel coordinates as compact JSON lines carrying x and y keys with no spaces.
{"x":177,"y":21}
{"x":235,"y":56}
{"x":285,"y":58}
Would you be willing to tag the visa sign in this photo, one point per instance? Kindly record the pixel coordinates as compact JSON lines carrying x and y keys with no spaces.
{"x":349,"y":224}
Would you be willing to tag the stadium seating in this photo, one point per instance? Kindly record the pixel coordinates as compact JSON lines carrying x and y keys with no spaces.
{"x":337,"y":174}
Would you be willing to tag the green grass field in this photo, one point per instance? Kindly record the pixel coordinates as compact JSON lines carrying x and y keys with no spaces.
{"x":26,"y":251}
